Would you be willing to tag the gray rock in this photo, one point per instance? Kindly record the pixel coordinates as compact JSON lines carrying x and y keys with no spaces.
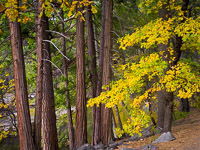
{"x":149,"y":147}
{"x":146,"y":133}
{"x":165,"y":137}
{"x":134,"y":138}
{"x":99,"y":146}
{"x":113,"y":145}
{"x":86,"y":147}
{"x":125,"y":148}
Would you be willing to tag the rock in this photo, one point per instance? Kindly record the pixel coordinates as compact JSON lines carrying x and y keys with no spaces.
{"x":125,"y":148}
{"x":134,"y":138}
{"x":99,"y":146}
{"x":149,"y":147}
{"x":165,"y":137}
{"x":86,"y":147}
{"x":113,"y":145}
{"x":146,"y":133}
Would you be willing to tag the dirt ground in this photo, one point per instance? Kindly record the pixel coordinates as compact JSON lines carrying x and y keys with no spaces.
{"x":186,"y":131}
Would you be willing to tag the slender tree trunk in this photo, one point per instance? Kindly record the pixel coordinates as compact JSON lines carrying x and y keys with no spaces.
{"x":38,"y":103}
{"x":49,"y":131}
{"x":21,"y":95}
{"x":92,"y":69}
{"x":114,"y":125}
{"x":124,"y":106}
{"x":81,"y":116}
{"x":69,"y":112}
{"x":97,"y":136}
{"x":118,"y":117}
{"x":106,"y":115}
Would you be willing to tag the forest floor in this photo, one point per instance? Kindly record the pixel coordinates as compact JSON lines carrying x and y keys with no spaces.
{"x":186,"y":131}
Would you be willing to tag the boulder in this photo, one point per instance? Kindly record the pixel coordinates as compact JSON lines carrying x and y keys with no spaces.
{"x":86,"y":147}
{"x":165,"y":137}
{"x":113,"y":145}
{"x":99,"y":146}
{"x":149,"y":147}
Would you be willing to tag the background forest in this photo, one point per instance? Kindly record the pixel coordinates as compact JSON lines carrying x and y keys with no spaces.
{"x":76,"y":72}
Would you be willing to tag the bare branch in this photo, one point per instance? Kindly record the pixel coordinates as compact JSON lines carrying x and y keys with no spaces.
{"x":53,"y":65}
{"x":59,"y":34}
{"x":57,"y":48}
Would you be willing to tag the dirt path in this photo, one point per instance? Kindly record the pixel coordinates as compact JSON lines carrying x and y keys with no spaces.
{"x":186,"y":131}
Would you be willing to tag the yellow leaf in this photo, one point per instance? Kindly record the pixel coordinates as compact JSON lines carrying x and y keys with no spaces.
{"x":23,"y":8}
{"x":19,"y":20}
{"x":1,"y":7}
{"x":93,"y":9}
{"x":1,"y":32}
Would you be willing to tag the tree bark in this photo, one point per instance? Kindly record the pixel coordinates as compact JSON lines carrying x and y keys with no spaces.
{"x":81,"y":116}
{"x":184,"y":105}
{"x":69,"y":112}
{"x":168,"y":111}
{"x":38,"y":103}
{"x":49,"y":131}
{"x":114,"y":125}
{"x":167,"y":97}
{"x":162,"y":95}
{"x":118,"y":117}
{"x":106,"y":115}
{"x":93,"y":74}
{"x":21,"y":94}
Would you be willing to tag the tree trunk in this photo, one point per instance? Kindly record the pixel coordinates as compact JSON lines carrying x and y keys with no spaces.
{"x":38,"y":103}
{"x":49,"y":131}
{"x":93,"y":73}
{"x":21,"y":95}
{"x":184,"y":105}
{"x":69,"y":112}
{"x":114,"y":125}
{"x":168,"y":111}
{"x":106,"y":115}
{"x":161,"y":109}
{"x":167,"y":97}
{"x":81,"y":116}
{"x":118,"y":117}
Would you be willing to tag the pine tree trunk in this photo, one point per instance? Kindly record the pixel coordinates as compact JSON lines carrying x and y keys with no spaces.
{"x":81,"y":116}
{"x":38,"y":103}
{"x":49,"y":131}
{"x":106,"y":115}
{"x":21,"y":95}
{"x":69,"y":112}
{"x":93,"y":72}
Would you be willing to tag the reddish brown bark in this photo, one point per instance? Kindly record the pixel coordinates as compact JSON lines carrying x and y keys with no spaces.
{"x":93,"y":75}
{"x":69,"y":112}
{"x":21,"y":95}
{"x":106,"y":115}
{"x":49,"y":131}
{"x":81,"y":117}
{"x":38,"y":103}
